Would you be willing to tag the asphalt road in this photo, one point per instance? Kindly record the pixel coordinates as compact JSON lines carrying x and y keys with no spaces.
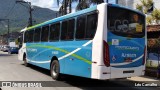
{"x":11,"y":69}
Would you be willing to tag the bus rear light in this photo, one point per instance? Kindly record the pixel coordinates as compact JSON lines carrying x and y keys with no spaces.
{"x":106,"y":58}
{"x":144,"y":57}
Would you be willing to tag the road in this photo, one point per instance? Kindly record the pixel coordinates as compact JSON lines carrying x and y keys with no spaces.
{"x":11,"y":69}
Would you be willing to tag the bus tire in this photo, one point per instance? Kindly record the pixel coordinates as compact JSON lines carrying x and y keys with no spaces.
{"x":25,"y":61}
{"x":55,"y":70}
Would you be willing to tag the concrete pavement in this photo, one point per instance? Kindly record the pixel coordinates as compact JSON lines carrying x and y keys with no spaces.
{"x":143,"y":78}
{"x":12,"y":69}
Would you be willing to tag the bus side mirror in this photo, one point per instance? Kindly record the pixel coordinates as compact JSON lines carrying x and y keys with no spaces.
{"x":18,"y":39}
{"x":19,"y":42}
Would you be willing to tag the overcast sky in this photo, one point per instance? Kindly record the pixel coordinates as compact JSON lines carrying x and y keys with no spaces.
{"x":51,"y":4}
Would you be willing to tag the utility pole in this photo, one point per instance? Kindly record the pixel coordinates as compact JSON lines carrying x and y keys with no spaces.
{"x":30,"y":13}
{"x":8,"y":36}
{"x":30,"y":10}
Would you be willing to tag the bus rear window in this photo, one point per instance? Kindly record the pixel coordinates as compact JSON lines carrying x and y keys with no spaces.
{"x":126,"y":23}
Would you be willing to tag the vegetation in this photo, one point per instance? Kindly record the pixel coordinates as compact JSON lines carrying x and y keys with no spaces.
{"x":82,"y":4}
{"x":145,"y":7}
{"x":65,"y":4}
{"x":156,"y":15}
{"x":19,"y":17}
{"x":153,"y":43}
{"x":149,"y":20}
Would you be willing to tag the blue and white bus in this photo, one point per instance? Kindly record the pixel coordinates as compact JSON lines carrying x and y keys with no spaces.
{"x":102,"y":42}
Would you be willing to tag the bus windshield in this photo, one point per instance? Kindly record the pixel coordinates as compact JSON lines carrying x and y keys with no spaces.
{"x":126,"y":23}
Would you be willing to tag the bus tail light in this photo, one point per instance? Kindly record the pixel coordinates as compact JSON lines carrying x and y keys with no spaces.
{"x":106,"y":54}
{"x":144,"y":57}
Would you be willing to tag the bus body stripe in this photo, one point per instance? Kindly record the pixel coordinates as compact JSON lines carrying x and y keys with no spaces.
{"x":64,"y":51}
{"x":47,"y":61}
{"x":69,"y":54}
{"x":74,"y":51}
{"x":118,"y":64}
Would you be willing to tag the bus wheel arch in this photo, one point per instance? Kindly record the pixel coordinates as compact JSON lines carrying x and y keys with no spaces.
{"x":55,"y":68}
{"x":53,"y":58}
{"x":24,"y":56}
{"x":25,"y":60}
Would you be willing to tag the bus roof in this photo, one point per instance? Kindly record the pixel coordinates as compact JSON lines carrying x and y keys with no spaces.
{"x":64,"y":17}
{"x":24,"y":29}
{"x":128,"y":8}
{"x":78,"y":13}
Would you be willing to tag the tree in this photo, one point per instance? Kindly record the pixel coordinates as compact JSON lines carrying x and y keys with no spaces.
{"x":149,"y":20}
{"x":144,"y":6}
{"x":65,"y":4}
{"x":139,"y":7}
{"x":96,"y":1}
{"x":156,"y":15}
{"x":63,"y":7}
{"x":83,"y":4}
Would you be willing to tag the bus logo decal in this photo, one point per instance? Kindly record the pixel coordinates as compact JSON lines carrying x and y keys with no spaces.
{"x":118,"y":64}
{"x":115,"y":42}
{"x":113,"y":58}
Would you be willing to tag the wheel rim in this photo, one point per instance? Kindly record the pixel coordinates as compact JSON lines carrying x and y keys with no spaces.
{"x":54,"y":70}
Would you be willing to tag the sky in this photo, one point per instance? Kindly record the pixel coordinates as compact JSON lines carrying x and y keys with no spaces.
{"x":52,"y":4}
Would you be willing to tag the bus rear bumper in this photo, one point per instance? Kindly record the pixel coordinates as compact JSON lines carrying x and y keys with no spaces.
{"x":113,"y":73}
{"x":127,"y":72}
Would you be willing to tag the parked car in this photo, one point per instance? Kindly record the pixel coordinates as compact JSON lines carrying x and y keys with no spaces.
{"x":1,"y":47}
{"x":12,"y":50}
{"x":5,"y":48}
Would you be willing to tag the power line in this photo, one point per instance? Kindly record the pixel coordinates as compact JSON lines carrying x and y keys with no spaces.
{"x":30,"y":10}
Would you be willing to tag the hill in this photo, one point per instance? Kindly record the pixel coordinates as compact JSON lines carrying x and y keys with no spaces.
{"x":18,"y":15}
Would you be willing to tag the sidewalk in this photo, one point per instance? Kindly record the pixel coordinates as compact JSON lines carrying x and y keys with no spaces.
{"x":143,"y":78}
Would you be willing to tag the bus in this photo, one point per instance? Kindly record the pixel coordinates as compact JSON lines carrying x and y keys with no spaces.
{"x":103,"y":42}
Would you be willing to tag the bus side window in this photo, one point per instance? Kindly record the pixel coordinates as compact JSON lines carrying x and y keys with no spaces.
{"x":37,"y":32}
{"x":80,"y":28}
{"x":54,"y":32}
{"x":70,"y":32}
{"x":30,"y":35}
{"x":26,"y":34}
{"x":64,"y":31}
{"x":44,"y":34}
{"x":91,"y":25}
{"x":20,"y":39}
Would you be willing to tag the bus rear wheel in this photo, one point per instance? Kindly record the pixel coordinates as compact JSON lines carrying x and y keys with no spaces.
{"x":55,"y":70}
